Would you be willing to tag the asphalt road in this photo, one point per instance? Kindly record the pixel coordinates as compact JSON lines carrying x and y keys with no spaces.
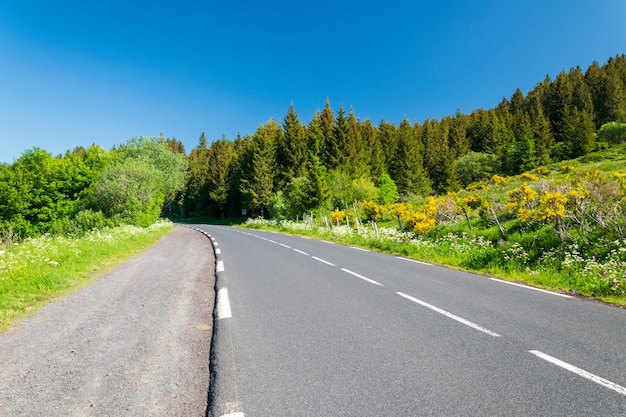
{"x":134,"y":343}
{"x":311,"y":328}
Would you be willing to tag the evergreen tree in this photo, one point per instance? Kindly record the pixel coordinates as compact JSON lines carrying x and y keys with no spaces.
{"x":542,"y":132}
{"x":258,"y":180}
{"x":374,"y":150}
{"x":316,"y":171}
{"x":196,"y":199}
{"x":219,"y":156}
{"x":460,"y":143}
{"x":578,"y":132}
{"x":327,"y":124}
{"x":291,"y":150}
{"x":388,"y":141}
{"x":407,"y":168}
{"x":336,"y":147}
{"x":356,"y":161}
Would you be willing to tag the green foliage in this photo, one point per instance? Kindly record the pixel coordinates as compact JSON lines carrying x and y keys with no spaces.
{"x":130,"y":191}
{"x":613,"y":133}
{"x":476,"y":166}
{"x":154,"y":152}
{"x":344,"y":190}
{"x":387,"y":190}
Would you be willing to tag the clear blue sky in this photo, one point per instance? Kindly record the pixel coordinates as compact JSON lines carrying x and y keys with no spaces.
{"x":78,"y":72}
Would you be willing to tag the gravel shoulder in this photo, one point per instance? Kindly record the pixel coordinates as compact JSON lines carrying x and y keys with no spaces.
{"x":135,"y":342}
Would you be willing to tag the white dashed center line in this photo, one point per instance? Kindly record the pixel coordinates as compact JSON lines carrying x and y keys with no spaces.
{"x":323,"y":261}
{"x":371,"y":281}
{"x":450,"y":315}
{"x":581,"y":372}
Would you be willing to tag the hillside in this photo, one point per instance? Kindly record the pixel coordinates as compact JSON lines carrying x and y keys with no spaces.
{"x":560,"y":227}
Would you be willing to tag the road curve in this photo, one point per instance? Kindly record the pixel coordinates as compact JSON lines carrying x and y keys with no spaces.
{"x":134,"y":343}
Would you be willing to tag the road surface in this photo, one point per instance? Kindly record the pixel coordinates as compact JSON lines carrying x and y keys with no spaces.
{"x":310,"y":328}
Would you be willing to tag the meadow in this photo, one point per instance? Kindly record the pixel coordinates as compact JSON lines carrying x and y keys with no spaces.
{"x":37,"y":270}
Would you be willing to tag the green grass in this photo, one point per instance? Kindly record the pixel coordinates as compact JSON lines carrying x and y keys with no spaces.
{"x":38,"y":270}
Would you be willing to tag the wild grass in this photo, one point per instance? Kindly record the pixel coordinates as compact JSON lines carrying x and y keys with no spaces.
{"x":37,"y":270}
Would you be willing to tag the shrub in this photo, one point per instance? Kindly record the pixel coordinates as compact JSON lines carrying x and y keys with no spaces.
{"x":612,"y":132}
{"x":527,"y":176}
{"x":373,"y":211}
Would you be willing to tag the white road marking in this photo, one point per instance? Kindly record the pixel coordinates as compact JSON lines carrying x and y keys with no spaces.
{"x":220,"y":266}
{"x":414,"y":261}
{"x":215,"y":243}
{"x":271,"y":241}
{"x":528,"y":287}
{"x":581,"y":372}
{"x":218,"y":251}
{"x":223,"y":304}
{"x":450,"y":315}
{"x":323,"y":261}
{"x":361,"y":249}
{"x":371,"y":281}
{"x":299,"y":251}
{"x":233,"y":415}
{"x":285,"y":246}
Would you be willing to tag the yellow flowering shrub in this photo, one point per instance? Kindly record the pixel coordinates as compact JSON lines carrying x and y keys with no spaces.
{"x":566,"y":168}
{"x":500,"y":181}
{"x":372,"y":210}
{"x":338,"y":217}
{"x":522,"y":197}
{"x":527,"y":176}
{"x":552,"y":206}
{"x":420,"y":222}
{"x":473,"y":201}
{"x":401,"y":209}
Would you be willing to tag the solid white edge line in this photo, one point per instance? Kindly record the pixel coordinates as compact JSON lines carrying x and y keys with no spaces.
{"x":414,"y":261}
{"x":528,"y":287}
{"x":323,"y":261}
{"x":581,"y":372}
{"x":299,"y":251}
{"x":371,"y":281}
{"x":361,"y":249}
{"x":220,"y":266}
{"x":223,"y":304}
{"x":449,"y":315}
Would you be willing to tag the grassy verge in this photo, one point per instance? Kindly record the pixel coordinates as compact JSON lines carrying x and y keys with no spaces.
{"x":562,"y":270}
{"x":37,"y":270}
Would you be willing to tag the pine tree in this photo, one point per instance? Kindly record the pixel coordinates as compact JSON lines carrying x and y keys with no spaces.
{"x":291,"y":149}
{"x":327,"y":124}
{"x":336,"y":147}
{"x":219,"y":156}
{"x":355,"y":157}
{"x":460,"y":143}
{"x":407,"y":168}
{"x":388,"y":141}
{"x":196,"y":199}
{"x":374,"y":150}
{"x":257,"y":184}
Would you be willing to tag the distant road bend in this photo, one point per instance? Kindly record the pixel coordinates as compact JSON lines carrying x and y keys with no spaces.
{"x":310,"y":328}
